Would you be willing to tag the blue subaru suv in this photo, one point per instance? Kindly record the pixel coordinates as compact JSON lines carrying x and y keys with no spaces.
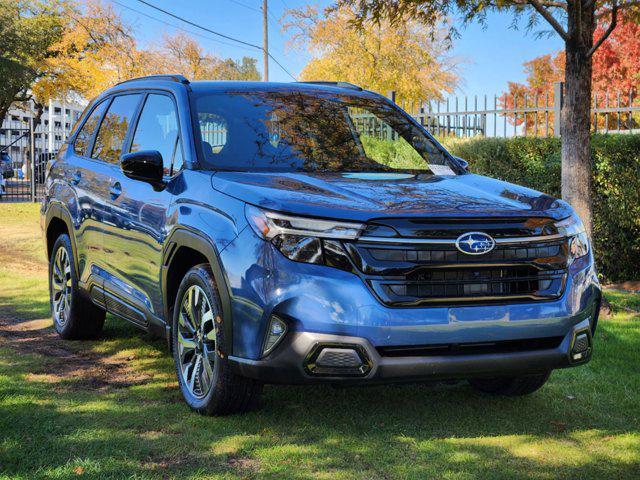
{"x":307,"y":233}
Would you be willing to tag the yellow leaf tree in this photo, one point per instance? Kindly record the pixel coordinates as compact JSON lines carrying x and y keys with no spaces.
{"x":98,"y":49}
{"x":409,"y":57}
{"x":183,"y":54}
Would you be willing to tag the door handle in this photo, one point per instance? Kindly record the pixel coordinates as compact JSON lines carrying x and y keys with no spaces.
{"x":115,"y":190}
{"x":76,"y":177}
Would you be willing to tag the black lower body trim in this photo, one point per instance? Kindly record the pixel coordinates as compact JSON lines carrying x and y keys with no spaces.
{"x":286,"y":364}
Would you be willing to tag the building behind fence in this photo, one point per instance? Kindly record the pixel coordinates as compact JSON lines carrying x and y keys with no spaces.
{"x":466,"y":117}
{"x":24,"y":179}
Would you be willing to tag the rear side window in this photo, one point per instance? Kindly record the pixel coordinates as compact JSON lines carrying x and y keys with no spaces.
{"x":83,"y":139}
{"x":113,"y":129}
{"x":157,"y":129}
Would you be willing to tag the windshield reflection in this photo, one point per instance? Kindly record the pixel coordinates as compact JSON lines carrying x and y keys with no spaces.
{"x":298,"y":132}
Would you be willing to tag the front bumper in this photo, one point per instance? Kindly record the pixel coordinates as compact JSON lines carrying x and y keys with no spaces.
{"x":290,"y":363}
{"x":325,"y":300}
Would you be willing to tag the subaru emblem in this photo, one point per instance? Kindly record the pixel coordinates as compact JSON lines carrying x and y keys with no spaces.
{"x":475,"y":243}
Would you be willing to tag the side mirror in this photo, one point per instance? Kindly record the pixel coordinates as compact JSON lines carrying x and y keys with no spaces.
{"x":146,"y":166}
{"x":463,"y":163}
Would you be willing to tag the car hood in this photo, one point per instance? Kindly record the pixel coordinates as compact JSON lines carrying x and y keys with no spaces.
{"x":366,"y":196}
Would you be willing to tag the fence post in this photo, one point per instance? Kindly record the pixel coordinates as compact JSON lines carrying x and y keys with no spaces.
{"x":391,"y":95}
{"x":32,"y":159}
{"x":558,"y":101}
{"x":389,"y":132}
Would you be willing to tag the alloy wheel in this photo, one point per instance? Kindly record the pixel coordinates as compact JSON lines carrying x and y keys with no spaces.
{"x":61,"y":286}
{"x":196,"y":337}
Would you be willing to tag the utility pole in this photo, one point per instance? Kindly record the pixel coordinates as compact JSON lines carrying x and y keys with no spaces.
{"x":265,"y":40}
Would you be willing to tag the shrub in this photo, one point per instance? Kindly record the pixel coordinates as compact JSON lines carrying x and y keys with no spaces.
{"x":393,"y":153}
{"x":535,"y":163}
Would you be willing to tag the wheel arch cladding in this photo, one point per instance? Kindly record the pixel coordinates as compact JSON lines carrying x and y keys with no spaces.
{"x":57,"y":222}
{"x":184,"y":249}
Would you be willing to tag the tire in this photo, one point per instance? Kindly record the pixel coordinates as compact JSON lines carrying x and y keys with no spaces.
{"x":74,"y":316}
{"x":511,"y":386}
{"x":204,"y":374}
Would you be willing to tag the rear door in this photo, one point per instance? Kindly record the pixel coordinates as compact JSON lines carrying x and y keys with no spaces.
{"x":135,"y":241}
{"x":86,"y":178}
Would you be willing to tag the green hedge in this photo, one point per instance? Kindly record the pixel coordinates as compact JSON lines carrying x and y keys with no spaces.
{"x":535,"y":163}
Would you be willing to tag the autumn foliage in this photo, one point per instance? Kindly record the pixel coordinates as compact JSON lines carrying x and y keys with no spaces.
{"x":98,"y":49}
{"x":408,"y":57}
{"x":616,"y":77}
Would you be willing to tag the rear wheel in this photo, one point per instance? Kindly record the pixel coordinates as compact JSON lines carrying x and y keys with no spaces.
{"x":207,"y":383}
{"x":74,"y":316}
{"x":511,"y":386}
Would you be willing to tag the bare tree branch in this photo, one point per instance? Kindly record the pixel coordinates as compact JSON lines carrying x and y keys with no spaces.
{"x":623,"y":6}
{"x":610,"y":28}
{"x":542,"y":10}
{"x":544,"y":3}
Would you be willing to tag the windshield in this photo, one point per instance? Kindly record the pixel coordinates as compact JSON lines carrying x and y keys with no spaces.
{"x":299,"y":132}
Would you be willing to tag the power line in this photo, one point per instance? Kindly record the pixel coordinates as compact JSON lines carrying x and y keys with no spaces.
{"x":242,"y":42}
{"x":198,"y":26}
{"x":273,"y":21}
{"x":177,"y":27}
{"x":255,"y":9}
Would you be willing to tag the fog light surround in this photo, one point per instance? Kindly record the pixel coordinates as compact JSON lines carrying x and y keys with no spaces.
{"x":337,"y":360}
{"x":276,"y":331}
{"x":581,"y":346}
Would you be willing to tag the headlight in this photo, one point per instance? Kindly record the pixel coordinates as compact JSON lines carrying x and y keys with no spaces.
{"x":578,"y":239}
{"x":270,"y":224}
{"x":308,"y":240}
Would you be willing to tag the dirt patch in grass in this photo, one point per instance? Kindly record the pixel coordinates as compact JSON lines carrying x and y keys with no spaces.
{"x":247,"y":466}
{"x":632,"y":286}
{"x":68,"y":365}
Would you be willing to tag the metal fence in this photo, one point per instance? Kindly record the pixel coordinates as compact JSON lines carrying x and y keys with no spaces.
{"x":521,"y":115}
{"x":24,"y":152}
{"x":25,"y":149}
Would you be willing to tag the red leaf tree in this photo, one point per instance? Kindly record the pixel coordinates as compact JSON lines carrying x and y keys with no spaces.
{"x":616,"y":75}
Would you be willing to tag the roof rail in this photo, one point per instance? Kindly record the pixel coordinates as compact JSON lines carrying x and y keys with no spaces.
{"x":335,"y":84}
{"x":172,"y":78}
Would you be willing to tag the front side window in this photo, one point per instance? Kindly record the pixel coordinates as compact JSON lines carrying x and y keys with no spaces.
{"x":297,"y":131}
{"x":157,"y":129}
{"x":83,"y":139}
{"x":113,"y":129}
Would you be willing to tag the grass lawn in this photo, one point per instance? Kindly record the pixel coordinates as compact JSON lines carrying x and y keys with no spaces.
{"x":111,"y":408}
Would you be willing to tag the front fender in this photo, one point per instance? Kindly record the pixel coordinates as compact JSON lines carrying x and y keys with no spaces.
{"x":207,"y":229}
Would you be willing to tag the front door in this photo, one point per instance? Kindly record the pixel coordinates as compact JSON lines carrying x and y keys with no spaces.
{"x":134,"y":243}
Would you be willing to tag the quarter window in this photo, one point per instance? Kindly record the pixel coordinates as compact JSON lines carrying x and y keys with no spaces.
{"x":113,"y":129}
{"x":178,"y":159}
{"x":157,"y":129}
{"x":83,"y":139}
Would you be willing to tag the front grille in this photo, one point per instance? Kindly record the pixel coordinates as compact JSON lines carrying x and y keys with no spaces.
{"x":479,"y":348}
{"x":545,"y":252}
{"x":402,"y":272}
{"x":469,"y":284}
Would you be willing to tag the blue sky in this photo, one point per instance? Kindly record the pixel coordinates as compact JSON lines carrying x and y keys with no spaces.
{"x":490,"y":57}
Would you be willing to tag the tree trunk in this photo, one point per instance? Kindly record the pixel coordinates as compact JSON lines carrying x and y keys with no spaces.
{"x":576,"y":119}
{"x":4,"y":110}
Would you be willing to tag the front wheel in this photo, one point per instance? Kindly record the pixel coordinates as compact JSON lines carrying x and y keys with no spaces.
{"x":74,"y":316}
{"x":207,"y":383}
{"x":511,"y":386}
